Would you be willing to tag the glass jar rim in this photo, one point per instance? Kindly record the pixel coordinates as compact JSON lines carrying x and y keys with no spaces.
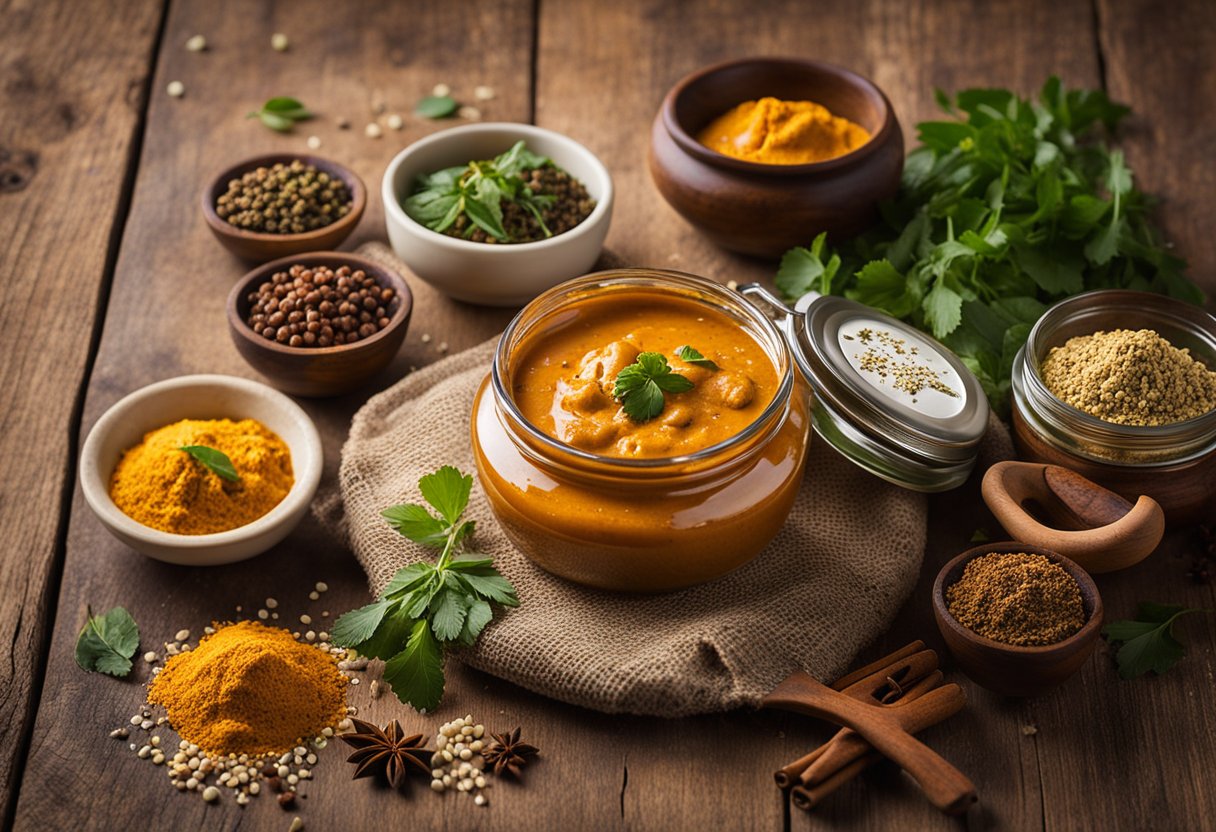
{"x":692,"y":285}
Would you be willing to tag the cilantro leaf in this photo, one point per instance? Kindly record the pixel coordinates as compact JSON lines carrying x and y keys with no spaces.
{"x":692,"y":356}
{"x":427,"y":607}
{"x":640,"y":386}
{"x":437,"y":106}
{"x":107,"y":642}
{"x":217,"y":462}
{"x":447,"y":490}
{"x":416,"y":673}
{"x":281,"y":113}
{"x":1148,"y":643}
{"x":359,"y":625}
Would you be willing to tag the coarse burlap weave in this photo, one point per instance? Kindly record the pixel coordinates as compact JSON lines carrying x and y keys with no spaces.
{"x":827,"y":585}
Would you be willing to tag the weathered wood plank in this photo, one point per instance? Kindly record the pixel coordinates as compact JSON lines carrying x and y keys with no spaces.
{"x":71,"y":118}
{"x":908,"y":49}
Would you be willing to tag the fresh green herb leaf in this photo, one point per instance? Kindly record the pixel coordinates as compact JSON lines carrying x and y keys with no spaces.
{"x":281,"y":113}
{"x":416,"y":673}
{"x":107,"y":642}
{"x":437,"y":106}
{"x":217,"y":462}
{"x":1148,"y":643}
{"x":427,"y":607}
{"x":640,"y":386}
{"x":359,"y":625}
{"x":1012,"y":198}
{"x":692,"y":356}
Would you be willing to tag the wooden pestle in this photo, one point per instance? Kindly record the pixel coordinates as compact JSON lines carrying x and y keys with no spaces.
{"x":886,"y":728}
{"x":905,"y":666}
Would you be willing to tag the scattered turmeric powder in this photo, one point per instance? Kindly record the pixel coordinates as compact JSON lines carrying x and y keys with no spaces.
{"x":158,"y":484}
{"x":250,"y":689}
{"x":775,"y":132}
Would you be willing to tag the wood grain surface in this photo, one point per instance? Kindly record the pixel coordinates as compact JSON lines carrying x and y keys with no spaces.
{"x":71,"y":119}
{"x":1098,"y":752}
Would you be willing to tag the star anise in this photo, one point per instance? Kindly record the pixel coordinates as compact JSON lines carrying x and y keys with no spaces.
{"x":386,"y":751}
{"x":507,"y":753}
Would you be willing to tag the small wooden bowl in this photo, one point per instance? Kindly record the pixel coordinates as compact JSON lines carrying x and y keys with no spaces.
{"x":764,"y":209}
{"x":1004,"y":668}
{"x":319,"y":371}
{"x":257,"y":247}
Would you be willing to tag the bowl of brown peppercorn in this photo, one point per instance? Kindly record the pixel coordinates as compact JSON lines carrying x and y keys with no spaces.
{"x":1018,"y":619}
{"x":281,"y":204}
{"x":319,"y":324}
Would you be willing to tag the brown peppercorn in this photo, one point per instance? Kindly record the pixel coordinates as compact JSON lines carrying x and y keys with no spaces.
{"x":287,"y":800}
{"x":296,"y":307}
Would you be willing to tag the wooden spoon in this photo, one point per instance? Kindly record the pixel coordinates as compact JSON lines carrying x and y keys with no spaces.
{"x":1095,"y":527}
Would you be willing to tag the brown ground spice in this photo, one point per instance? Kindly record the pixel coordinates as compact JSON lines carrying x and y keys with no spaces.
{"x":1017,"y":598}
{"x":1130,"y":378}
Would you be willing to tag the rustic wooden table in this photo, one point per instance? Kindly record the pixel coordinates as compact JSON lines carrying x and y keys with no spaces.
{"x":111,"y":281}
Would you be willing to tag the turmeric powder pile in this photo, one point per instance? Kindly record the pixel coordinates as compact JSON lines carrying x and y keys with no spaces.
{"x":250,"y":689}
{"x":775,"y":132}
{"x":158,"y":484}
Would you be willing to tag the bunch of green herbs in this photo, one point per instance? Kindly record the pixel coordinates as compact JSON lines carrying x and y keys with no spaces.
{"x":428,"y":607}
{"x":477,"y":191}
{"x":1013,"y":205}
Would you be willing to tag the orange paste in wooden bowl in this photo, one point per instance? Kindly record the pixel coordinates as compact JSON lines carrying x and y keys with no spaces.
{"x":606,"y":499}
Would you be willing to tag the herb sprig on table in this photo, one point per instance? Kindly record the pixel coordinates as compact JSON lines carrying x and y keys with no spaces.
{"x":1148,"y":642}
{"x":640,"y":386}
{"x":1009,"y":207}
{"x":107,"y":642}
{"x":477,"y":190}
{"x":281,"y":113}
{"x":428,"y":607}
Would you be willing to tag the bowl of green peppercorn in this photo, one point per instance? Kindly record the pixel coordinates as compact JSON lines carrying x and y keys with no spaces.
{"x":281,"y":204}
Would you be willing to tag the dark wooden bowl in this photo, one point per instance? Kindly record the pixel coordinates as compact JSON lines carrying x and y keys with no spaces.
{"x":1005,"y":668}
{"x":319,"y":371}
{"x":763,"y":209}
{"x":256,"y":247}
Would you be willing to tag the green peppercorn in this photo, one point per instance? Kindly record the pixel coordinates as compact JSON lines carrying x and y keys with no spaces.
{"x":285,"y":199}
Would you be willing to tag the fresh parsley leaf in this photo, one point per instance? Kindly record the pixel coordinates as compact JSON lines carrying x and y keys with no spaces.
{"x":427,"y":607}
{"x":107,"y":642}
{"x":692,"y":356}
{"x":1148,"y":643}
{"x":640,"y":386}
{"x":217,"y":462}
{"x":281,"y":113}
{"x":359,"y":625}
{"x":447,"y":490}
{"x":416,"y":673}
{"x":437,"y":106}
{"x":1010,"y":197}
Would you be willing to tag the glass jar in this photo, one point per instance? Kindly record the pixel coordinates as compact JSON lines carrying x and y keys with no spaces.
{"x":1174,"y":464}
{"x":640,"y":524}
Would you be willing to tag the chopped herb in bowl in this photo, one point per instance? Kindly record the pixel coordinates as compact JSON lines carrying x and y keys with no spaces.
{"x":516,"y":197}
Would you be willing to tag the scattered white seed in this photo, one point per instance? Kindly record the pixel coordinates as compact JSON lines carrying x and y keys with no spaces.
{"x":437,"y":785}
{"x":313,"y":142}
{"x":182,"y":635}
{"x":426,"y":337}
{"x":310,"y":636}
{"x":154,"y":742}
{"x":373,"y":131}
{"x":263,"y":614}
{"x":296,"y":824}
{"x":344,"y":725}
{"x":120,"y":733}
{"x":440,"y":90}
{"x":732,"y":285}
{"x":255,"y":787}
{"x":324,"y":636}
{"x":158,"y":758}
{"x":272,"y":603}
{"x":480,"y":800}
{"x":144,"y":752}
{"x":479,"y":781}
{"x":314,"y":596}
{"x":483,"y":93}
{"x":176,"y":89}
{"x":279,"y":42}
{"x":146,"y":724}
{"x":305,"y":619}
{"x":395,"y":122}
{"x":293,"y":779}
{"x":150,"y":656}
{"x":469,"y":112}
{"x":304,"y":774}
{"x":354,"y":681}
{"x":242,"y":799}
{"x":327,"y":732}
{"x":211,"y":794}
{"x":197,"y":43}
{"x":443,"y":346}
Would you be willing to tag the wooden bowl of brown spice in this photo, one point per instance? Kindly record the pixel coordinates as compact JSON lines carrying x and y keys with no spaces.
{"x":1018,"y":619}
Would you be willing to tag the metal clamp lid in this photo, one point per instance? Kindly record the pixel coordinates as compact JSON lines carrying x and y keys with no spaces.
{"x":889,"y":397}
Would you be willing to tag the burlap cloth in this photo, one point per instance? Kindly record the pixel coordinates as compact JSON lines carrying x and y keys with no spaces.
{"x":828,"y":584}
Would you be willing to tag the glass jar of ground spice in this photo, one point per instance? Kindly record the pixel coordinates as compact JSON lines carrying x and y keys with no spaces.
{"x":1120,"y":386}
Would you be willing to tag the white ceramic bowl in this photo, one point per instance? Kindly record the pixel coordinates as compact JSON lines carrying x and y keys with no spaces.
{"x":200,"y":397}
{"x":495,"y":275}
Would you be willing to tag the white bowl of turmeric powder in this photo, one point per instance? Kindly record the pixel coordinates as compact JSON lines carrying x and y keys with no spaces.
{"x":146,"y":479}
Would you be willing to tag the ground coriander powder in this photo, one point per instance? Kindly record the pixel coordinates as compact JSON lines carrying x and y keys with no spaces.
{"x":1017,"y":598}
{"x":1130,"y":377}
